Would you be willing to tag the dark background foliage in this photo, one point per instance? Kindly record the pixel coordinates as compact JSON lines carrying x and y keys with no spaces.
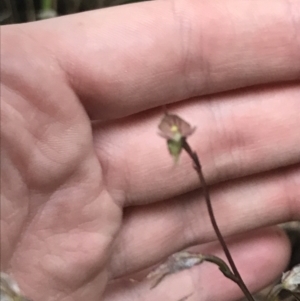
{"x":19,"y":11}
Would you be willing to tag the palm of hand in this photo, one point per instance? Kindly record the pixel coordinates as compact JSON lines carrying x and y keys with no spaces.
{"x":58,"y":219}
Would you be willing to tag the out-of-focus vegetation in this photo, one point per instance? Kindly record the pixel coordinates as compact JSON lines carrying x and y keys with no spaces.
{"x":19,"y":11}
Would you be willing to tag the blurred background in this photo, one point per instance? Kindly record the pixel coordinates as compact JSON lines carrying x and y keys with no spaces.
{"x":19,"y":11}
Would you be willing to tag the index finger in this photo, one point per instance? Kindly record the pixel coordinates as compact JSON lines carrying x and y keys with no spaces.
{"x":131,"y":58}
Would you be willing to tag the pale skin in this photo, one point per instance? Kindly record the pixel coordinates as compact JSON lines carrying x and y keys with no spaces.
{"x":83,"y":205}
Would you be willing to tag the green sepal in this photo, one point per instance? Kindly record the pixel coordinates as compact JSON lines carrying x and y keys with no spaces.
{"x":175,"y":148}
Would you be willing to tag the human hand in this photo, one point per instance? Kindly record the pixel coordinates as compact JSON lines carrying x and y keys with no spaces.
{"x":82,"y":209}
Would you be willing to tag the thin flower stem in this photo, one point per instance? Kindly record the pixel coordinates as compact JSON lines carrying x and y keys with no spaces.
{"x":222,"y":266}
{"x":198,"y":169}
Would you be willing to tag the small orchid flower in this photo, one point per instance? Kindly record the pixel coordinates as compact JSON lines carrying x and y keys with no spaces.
{"x":175,"y":130}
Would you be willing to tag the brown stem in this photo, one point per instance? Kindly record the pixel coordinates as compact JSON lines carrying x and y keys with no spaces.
{"x":222,"y":266}
{"x":198,"y":169}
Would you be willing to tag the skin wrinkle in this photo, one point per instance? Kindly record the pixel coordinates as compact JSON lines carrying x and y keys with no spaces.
{"x":82,"y":285}
{"x":31,"y":217}
{"x":149,"y":227}
{"x":262,"y":39}
{"x":207,"y":70}
{"x":234,"y":137}
{"x":7,"y":218}
{"x":111,"y":98}
{"x":253,"y":108}
{"x":185,"y":20}
{"x":61,"y":285}
{"x":37,"y":141}
{"x":119,"y":153}
{"x":213,"y":107}
{"x":23,"y":87}
{"x":60,"y":204}
{"x":38,"y":138}
{"x":290,"y":186}
{"x":46,"y":108}
{"x":190,"y":231}
{"x":22,"y":226}
{"x":56,"y":65}
{"x":295,"y":20}
{"x":185,"y":27}
{"x":106,"y":160}
{"x":9,"y":107}
{"x":30,"y":130}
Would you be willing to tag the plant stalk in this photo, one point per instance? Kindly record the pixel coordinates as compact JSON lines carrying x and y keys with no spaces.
{"x":199,"y":171}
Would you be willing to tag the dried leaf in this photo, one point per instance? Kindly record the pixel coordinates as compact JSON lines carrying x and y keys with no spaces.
{"x":175,"y":263}
{"x":273,"y":295}
{"x":291,"y":279}
{"x":9,"y":289}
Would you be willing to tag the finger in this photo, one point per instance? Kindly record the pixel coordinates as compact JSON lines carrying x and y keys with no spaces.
{"x":150,"y":233}
{"x":256,"y":260}
{"x":127,"y":59}
{"x":238,"y":134}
